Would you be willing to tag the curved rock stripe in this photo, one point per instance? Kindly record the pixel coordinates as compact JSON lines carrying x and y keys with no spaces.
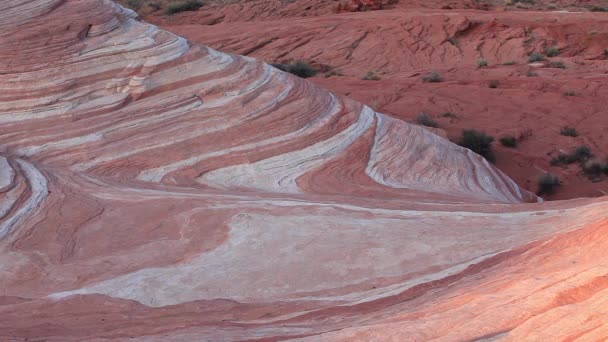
{"x":155,"y":189}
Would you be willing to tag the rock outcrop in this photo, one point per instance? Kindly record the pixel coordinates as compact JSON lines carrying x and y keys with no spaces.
{"x":155,"y":189}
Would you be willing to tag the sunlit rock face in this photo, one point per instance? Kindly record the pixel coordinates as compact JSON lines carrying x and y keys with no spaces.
{"x":158,"y":190}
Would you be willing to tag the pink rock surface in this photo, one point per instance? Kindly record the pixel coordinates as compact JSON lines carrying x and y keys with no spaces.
{"x":402,"y":44}
{"x":155,"y":189}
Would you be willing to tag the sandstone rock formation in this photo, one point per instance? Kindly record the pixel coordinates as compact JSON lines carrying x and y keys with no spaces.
{"x":155,"y":189}
{"x":401,"y":44}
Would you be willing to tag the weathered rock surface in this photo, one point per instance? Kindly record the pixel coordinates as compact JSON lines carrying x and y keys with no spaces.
{"x":159,"y":190}
{"x":402,"y":44}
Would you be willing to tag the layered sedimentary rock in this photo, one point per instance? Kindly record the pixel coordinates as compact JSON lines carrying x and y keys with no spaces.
{"x":155,"y":189}
{"x":400,"y":45}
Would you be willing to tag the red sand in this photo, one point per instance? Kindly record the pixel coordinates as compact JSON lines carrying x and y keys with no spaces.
{"x":156,"y":189}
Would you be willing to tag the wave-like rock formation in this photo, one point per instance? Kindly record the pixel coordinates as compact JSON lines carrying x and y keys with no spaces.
{"x":158,"y":190}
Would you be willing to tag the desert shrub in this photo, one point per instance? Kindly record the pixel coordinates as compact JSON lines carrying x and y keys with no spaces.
{"x":450,"y":115}
{"x":425,"y":120}
{"x":493,"y":84}
{"x":557,"y":64}
{"x":598,"y":9}
{"x":580,"y":154}
{"x":548,"y":184}
{"x":531,"y":73}
{"x":333,"y":73}
{"x":568,"y":131}
{"x":536,"y":57}
{"x":298,"y":68}
{"x":182,"y":6}
{"x":510,"y":63}
{"x":370,"y":76}
{"x":569,"y":93}
{"x":155,"y":6}
{"x":134,"y":4}
{"x":454,"y":41}
{"x":478,"y":142}
{"x":593,"y":168}
{"x":432,"y":77}
{"x":508,"y":141}
{"x":552,"y":51}
{"x":482,"y":63}
{"x":583,"y":153}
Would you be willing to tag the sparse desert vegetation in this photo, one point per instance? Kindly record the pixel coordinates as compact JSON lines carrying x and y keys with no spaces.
{"x":371,"y":76}
{"x":450,"y":115}
{"x":333,"y":72}
{"x":299,"y":68}
{"x":552,"y":51}
{"x":548,"y":184}
{"x":182,"y":6}
{"x":532,"y":73}
{"x":593,"y":168}
{"x":432,"y":77}
{"x":580,"y":154}
{"x":536,"y":57}
{"x":568,"y":131}
{"x":509,"y":141}
{"x":478,"y":142}
{"x":557,"y":64}
{"x":425,"y":119}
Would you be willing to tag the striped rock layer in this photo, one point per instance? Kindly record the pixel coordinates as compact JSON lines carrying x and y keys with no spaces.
{"x":158,"y":190}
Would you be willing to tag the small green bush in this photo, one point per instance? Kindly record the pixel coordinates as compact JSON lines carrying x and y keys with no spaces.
{"x":370,"y":76}
{"x":510,"y":63}
{"x":568,"y":131}
{"x":425,"y":120}
{"x":548,"y":184}
{"x":482,"y":63}
{"x":134,"y":4}
{"x":558,"y":64}
{"x":432,"y":77}
{"x":552,"y":51}
{"x":570,"y":93}
{"x":450,"y":115}
{"x":580,"y":154}
{"x":333,"y":73}
{"x":599,"y":9}
{"x":154,"y":6}
{"x":493,"y":84}
{"x":536,"y":57}
{"x":478,"y":142}
{"x":299,"y":68}
{"x":593,"y":168}
{"x":531,"y":73}
{"x":508,"y":141}
{"x":182,"y":6}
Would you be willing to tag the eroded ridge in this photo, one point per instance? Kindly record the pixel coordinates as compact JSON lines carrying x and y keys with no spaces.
{"x":151,"y":188}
